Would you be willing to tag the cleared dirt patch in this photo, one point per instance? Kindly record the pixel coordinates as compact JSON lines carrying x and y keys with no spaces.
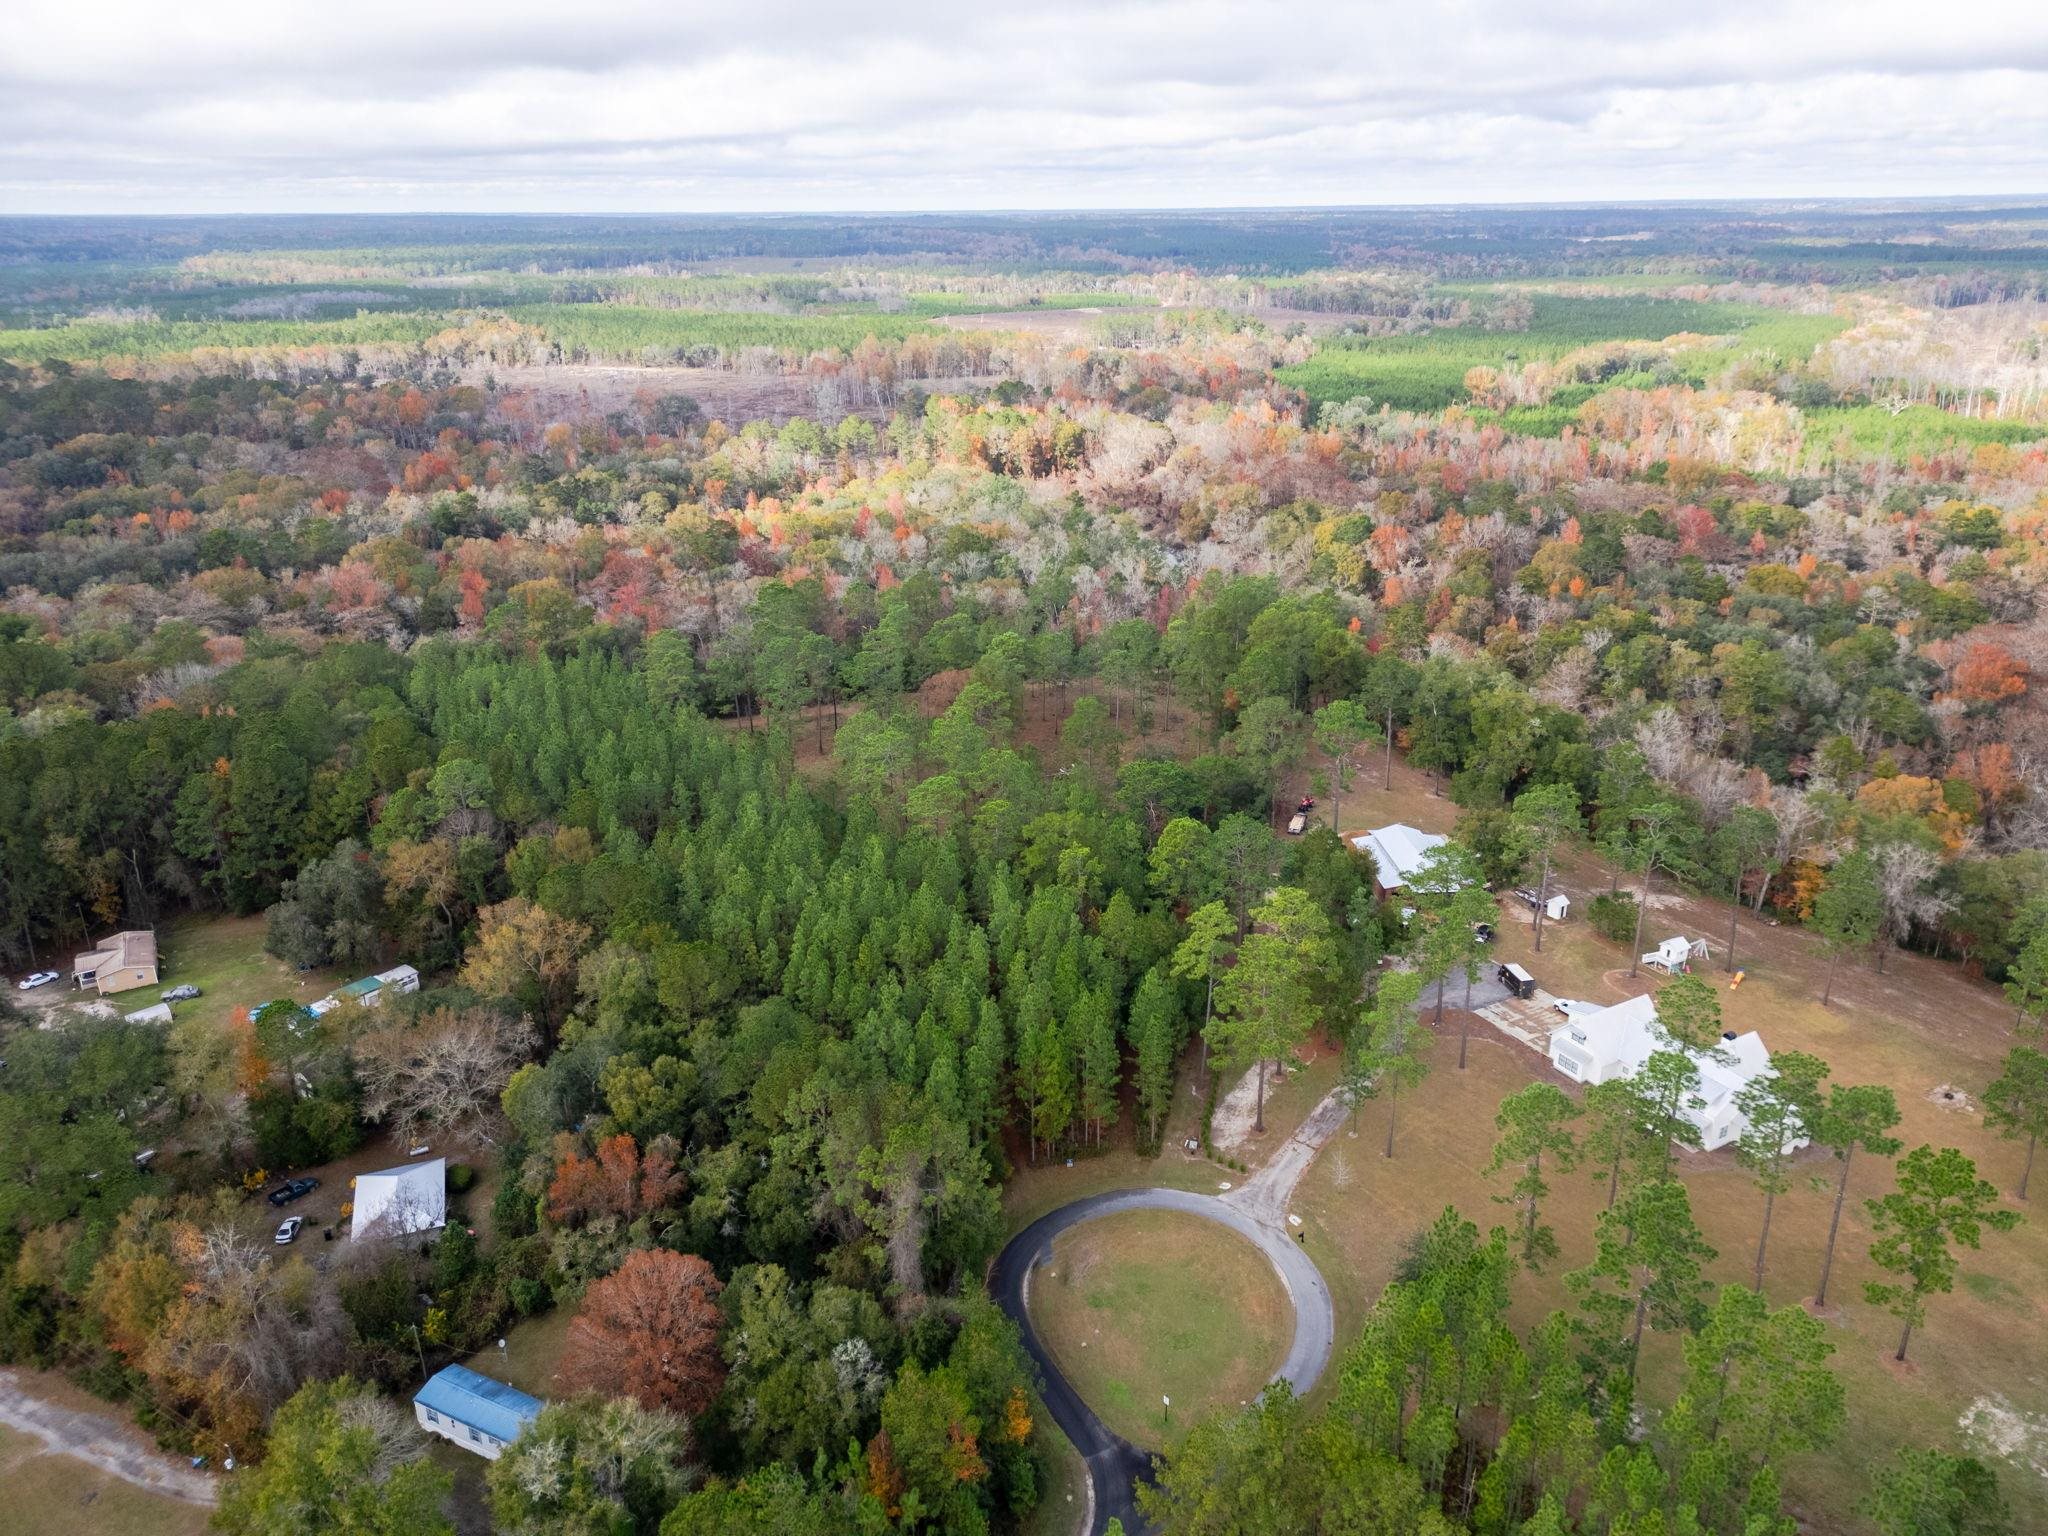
{"x":1148,"y":1304}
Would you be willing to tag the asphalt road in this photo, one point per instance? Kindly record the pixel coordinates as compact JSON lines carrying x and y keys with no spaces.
{"x":1114,"y":1464}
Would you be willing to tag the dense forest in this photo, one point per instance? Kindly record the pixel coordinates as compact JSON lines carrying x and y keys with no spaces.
{"x":806,"y":822}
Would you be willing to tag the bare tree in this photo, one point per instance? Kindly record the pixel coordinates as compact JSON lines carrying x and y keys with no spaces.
{"x":444,"y":1070}
{"x":1904,"y":871}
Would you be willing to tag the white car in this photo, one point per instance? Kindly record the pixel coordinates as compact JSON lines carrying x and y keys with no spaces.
{"x":39,"y":979}
{"x":288,"y":1231}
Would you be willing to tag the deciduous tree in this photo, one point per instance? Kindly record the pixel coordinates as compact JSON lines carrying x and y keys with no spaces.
{"x":650,"y":1332}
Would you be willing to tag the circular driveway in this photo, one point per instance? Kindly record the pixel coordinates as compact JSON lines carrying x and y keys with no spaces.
{"x":1114,"y":1464}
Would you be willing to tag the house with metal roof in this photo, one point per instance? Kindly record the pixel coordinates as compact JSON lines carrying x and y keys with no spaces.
{"x":1397,"y":853}
{"x":475,"y":1412}
{"x":1603,"y":1044}
{"x":396,"y":1202}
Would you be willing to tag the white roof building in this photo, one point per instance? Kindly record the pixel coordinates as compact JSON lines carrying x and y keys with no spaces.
{"x":1397,"y":852}
{"x":1614,"y":1042}
{"x":398,"y":1201}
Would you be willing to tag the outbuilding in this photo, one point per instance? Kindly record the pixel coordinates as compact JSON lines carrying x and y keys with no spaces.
{"x":396,"y":1202}
{"x":473,"y":1411}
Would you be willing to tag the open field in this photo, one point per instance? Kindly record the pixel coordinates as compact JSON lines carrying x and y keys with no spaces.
{"x":55,"y":1495}
{"x":1145,"y":1304}
{"x":533,"y":1349}
{"x":1921,"y":1025}
{"x":1426,"y":372}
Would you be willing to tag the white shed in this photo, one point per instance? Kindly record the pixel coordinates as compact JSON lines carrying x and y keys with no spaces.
{"x":1676,"y":954}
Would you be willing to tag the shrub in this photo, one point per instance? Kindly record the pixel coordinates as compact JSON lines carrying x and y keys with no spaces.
{"x":460,"y":1177}
{"x":1613,"y":915}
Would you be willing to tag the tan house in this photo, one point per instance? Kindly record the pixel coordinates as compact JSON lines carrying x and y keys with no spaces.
{"x":121,"y":961}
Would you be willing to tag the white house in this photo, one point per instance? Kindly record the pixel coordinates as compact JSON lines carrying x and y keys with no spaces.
{"x":1397,"y":852}
{"x":398,"y":1201}
{"x":475,"y":1412}
{"x":1614,"y":1042}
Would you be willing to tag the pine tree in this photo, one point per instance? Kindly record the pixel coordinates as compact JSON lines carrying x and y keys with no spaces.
{"x":1939,"y":1203}
{"x":1646,"y":1270}
{"x":1779,"y":1106}
{"x":1155,"y":1033}
{"x":1533,"y":1121}
{"x":2016,"y":1103}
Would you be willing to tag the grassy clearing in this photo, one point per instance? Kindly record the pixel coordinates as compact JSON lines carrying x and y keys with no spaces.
{"x":1145,"y":1304}
{"x":1062,"y":1485}
{"x":54,"y":1495}
{"x":1427,"y":372}
{"x":533,"y":1351}
{"x":1918,"y":430}
{"x":224,"y":957}
{"x":1919,"y":1025}
{"x":627,"y":330}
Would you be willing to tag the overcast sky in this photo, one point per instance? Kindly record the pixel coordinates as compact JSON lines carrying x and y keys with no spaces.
{"x":284,"y":105}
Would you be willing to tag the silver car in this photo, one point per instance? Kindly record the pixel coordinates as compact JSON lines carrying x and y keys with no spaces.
{"x":288,"y":1230}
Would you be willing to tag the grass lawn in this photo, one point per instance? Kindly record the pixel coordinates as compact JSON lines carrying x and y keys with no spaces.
{"x":533,"y":1348}
{"x":1142,"y":1304}
{"x":1062,"y":1485}
{"x":224,"y":957}
{"x":54,"y":1495}
{"x":1919,"y":1025}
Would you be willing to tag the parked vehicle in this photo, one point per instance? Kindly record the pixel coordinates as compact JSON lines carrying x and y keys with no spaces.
{"x":1483,"y":932}
{"x":1298,"y":825}
{"x":181,"y":994}
{"x":38,"y":979}
{"x":293,"y":1189}
{"x":1516,"y":979}
{"x":288,"y":1230}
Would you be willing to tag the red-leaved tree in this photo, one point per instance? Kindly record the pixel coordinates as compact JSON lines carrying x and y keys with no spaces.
{"x":650,"y":1332}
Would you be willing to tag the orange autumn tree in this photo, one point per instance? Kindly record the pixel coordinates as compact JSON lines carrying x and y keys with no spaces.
{"x":619,"y":1181}
{"x":1986,"y":674}
{"x":650,"y":1332}
{"x":1909,"y":797}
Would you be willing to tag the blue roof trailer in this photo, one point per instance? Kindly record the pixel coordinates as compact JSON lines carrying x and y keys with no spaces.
{"x":475,"y":1412}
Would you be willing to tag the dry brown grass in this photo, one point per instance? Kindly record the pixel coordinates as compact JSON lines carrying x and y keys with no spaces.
{"x":55,"y":1495}
{"x":1922,"y":1024}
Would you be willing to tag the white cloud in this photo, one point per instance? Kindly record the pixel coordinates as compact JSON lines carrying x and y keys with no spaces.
{"x":237,"y":105}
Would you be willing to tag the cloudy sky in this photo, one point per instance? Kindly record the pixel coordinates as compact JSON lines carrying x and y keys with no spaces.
{"x":284,"y":105}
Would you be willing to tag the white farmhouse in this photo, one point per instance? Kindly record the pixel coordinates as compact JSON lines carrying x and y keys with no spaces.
{"x":1607,"y":1043}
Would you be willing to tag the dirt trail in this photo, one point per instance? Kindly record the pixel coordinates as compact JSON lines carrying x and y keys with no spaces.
{"x":100,"y":1441}
{"x":1264,"y":1196}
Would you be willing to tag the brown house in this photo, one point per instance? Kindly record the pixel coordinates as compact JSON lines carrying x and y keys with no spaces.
{"x":121,"y":961}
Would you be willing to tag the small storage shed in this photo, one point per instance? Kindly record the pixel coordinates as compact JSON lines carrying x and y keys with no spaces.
{"x":475,"y":1412}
